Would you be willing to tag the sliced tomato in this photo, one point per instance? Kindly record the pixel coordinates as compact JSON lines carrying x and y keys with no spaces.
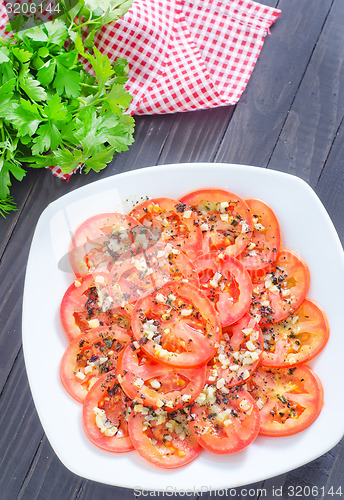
{"x":297,"y":339}
{"x":105,"y":415}
{"x":157,"y":385}
{"x":263,"y":249}
{"x":140,"y":275}
{"x":88,"y":356}
{"x":105,"y":238}
{"x":129,"y":280}
{"x":87,"y":304}
{"x":289,"y":399}
{"x":163,"y":439}
{"x":176,"y":227}
{"x":169,"y":263}
{"x":238,"y":354}
{"x":279,"y":292}
{"x":227,"y":285}
{"x":223,"y":217}
{"x":177,"y":325}
{"x":224,"y":422}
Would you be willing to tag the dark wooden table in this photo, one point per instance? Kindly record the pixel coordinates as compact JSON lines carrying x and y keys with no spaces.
{"x":290,"y":118}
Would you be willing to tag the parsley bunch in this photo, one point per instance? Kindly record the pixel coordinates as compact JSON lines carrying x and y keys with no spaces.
{"x":53,"y":111}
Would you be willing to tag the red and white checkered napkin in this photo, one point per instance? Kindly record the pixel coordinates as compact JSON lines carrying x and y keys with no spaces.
{"x":188,"y":54}
{"x":185,"y":55}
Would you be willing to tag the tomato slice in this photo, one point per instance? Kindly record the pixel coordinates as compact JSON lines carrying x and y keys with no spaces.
{"x":129,"y":280}
{"x":223,"y":217}
{"x":141,"y":275}
{"x":297,"y":339}
{"x":289,"y":399}
{"x":105,"y":415}
{"x":227,"y":285}
{"x":170,"y":263}
{"x":157,"y":385}
{"x":279,"y":292}
{"x":224,"y":422}
{"x":265,"y":242}
{"x":177,"y":325}
{"x":163,"y":439}
{"x":176,"y":226}
{"x":105,"y":238}
{"x":88,"y":356}
{"x":238,"y":354}
{"x":87,"y":304}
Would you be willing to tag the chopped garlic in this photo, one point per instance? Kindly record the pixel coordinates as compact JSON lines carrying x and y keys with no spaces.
{"x":250,"y":346}
{"x":186,"y":312}
{"x":223,"y":205}
{"x":244,"y":405}
{"x":160,"y":298}
{"x":99,"y":280}
{"x":259,"y":227}
{"x":220,"y":383}
{"x":247,"y":331}
{"x":214,"y":282}
{"x":187,"y":214}
{"x":93,"y":323}
{"x":185,"y":397}
{"x":139,"y":382}
{"x":140,"y":264}
{"x":155,"y":384}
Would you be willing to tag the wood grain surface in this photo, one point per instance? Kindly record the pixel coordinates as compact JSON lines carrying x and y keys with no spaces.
{"x":290,"y":119}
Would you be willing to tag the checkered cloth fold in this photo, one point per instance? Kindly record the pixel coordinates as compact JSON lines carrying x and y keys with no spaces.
{"x":188,"y":54}
{"x":185,"y":55}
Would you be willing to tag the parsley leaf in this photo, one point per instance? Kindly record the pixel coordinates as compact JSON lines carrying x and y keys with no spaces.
{"x":24,"y":116}
{"x":66,"y":82}
{"x":52,"y":110}
{"x":48,"y":137}
{"x":32,"y":89}
{"x":45,"y":74}
{"x":67,"y":160}
{"x":99,"y":160}
{"x":7,"y":205}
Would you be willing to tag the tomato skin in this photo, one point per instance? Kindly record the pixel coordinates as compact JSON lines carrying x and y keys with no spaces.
{"x":106,"y":392}
{"x":97,"y":232}
{"x":281,"y":290}
{"x":290,"y":400}
{"x":175,"y":384}
{"x":185,"y":340}
{"x":99,"y":346}
{"x":234,"y":300}
{"x":265,"y":243}
{"x":308,"y":326}
{"x":212,"y":430}
{"x":234,"y":361}
{"x":221,"y":235}
{"x":79,"y":305}
{"x":166,"y":215}
{"x":143,"y":434}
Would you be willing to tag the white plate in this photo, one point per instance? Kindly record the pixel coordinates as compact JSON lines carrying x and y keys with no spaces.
{"x":306,"y":228}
